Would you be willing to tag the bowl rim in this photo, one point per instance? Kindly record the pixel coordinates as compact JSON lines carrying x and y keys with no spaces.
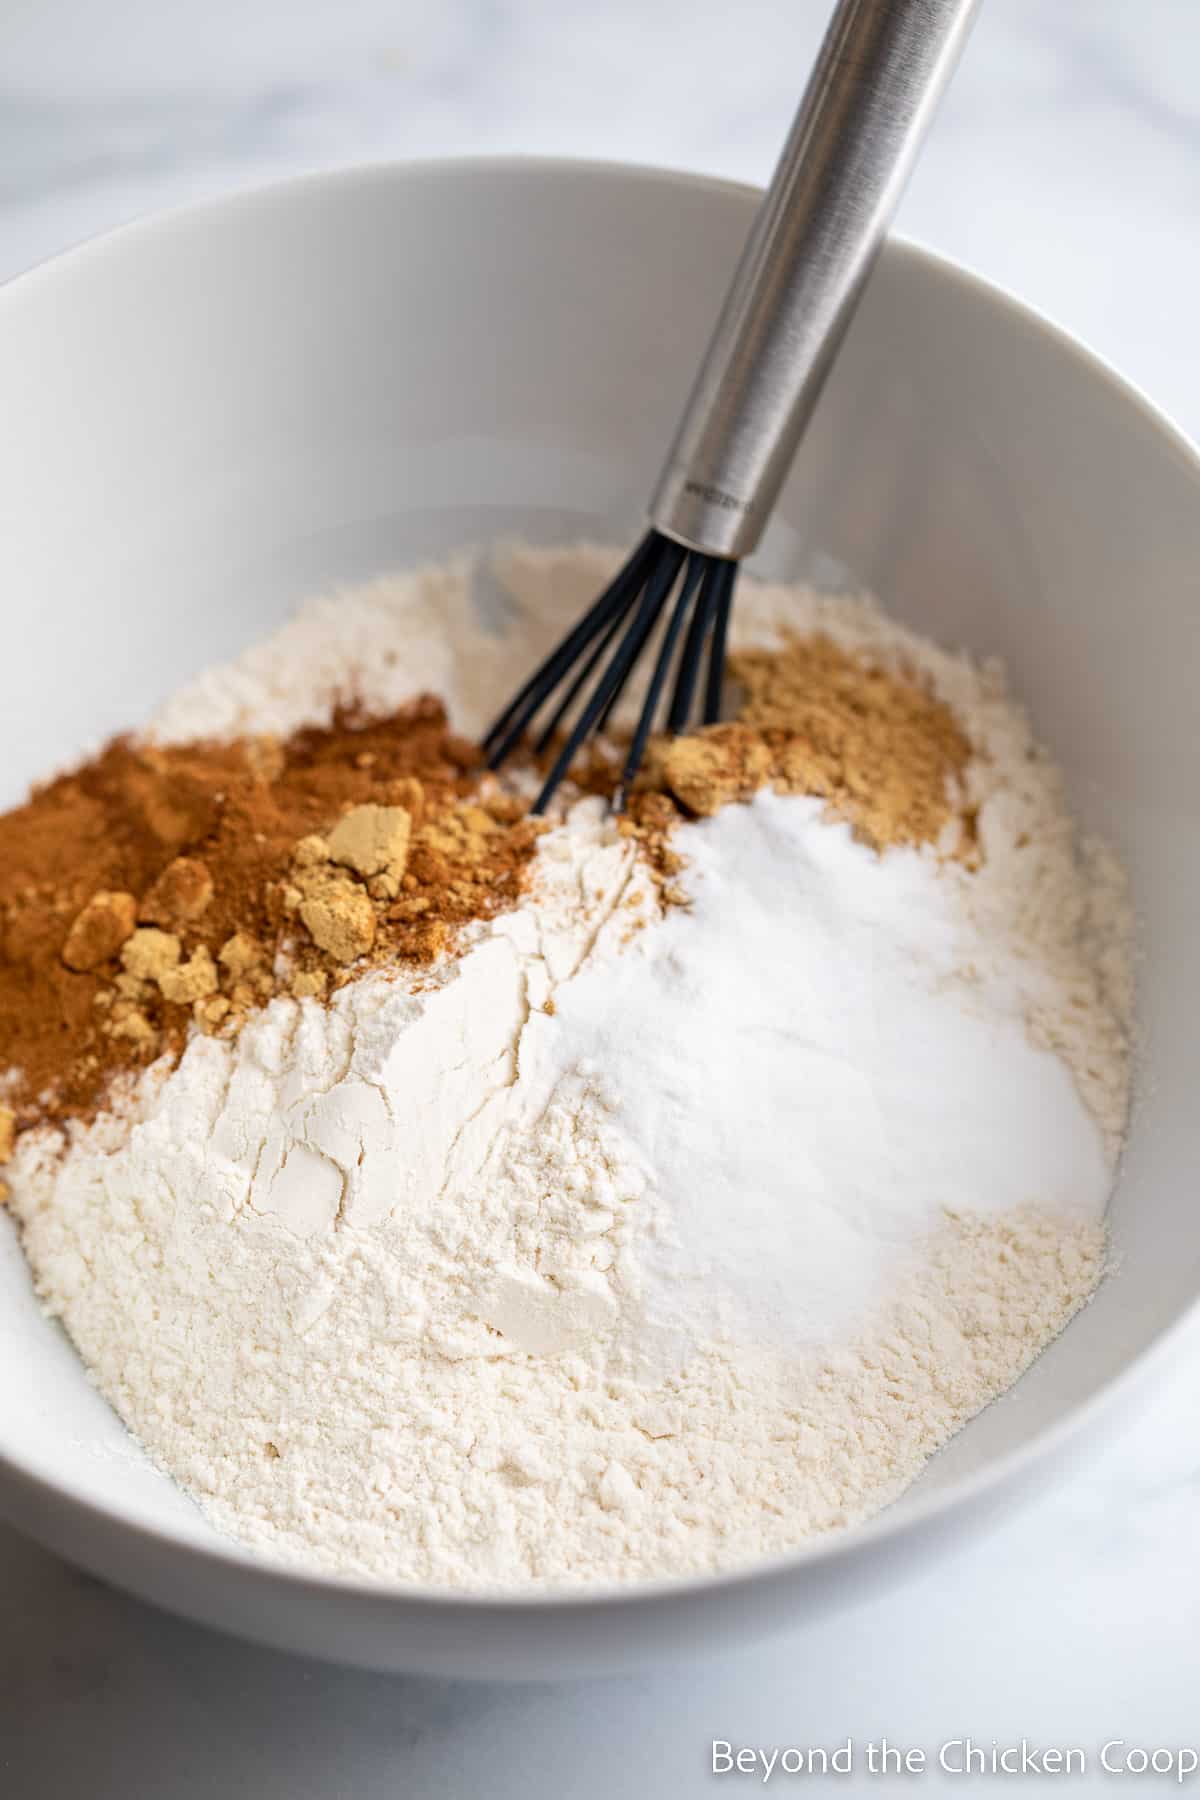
{"x":1043,"y":1447}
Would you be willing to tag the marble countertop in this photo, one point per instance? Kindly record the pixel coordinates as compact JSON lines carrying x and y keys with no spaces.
{"x":1065,"y":165}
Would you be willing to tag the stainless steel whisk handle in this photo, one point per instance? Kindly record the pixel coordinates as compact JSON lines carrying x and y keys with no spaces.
{"x":877,"y":80}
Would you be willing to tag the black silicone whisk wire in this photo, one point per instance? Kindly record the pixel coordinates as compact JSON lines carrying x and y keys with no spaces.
{"x":622,"y":621}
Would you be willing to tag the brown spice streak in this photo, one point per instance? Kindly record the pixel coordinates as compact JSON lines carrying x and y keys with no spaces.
{"x":170,"y":877}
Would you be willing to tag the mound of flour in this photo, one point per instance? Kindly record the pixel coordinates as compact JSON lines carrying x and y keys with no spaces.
{"x":620,"y":1247}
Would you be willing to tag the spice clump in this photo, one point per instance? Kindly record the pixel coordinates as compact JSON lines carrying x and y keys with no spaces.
{"x":374,"y":840}
{"x":336,"y":911}
{"x":99,"y":930}
{"x":157,"y":890}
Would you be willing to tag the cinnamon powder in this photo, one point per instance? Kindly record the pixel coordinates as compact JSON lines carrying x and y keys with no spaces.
{"x":156,"y":889}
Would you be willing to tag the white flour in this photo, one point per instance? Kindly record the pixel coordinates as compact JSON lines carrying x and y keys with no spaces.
{"x":449,"y":1287}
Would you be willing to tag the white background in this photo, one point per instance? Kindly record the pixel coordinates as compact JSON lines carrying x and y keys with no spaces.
{"x":1066,"y":165}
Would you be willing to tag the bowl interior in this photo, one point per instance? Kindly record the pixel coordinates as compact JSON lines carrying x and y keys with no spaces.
{"x":216,"y":416}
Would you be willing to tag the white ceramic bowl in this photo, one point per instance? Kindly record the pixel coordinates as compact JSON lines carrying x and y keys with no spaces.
{"x":213,"y":415}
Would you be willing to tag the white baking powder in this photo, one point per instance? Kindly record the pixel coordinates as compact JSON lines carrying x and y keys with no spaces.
{"x":610,"y":1252}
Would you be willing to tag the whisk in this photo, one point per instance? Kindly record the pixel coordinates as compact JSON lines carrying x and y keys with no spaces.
{"x":877,"y":79}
